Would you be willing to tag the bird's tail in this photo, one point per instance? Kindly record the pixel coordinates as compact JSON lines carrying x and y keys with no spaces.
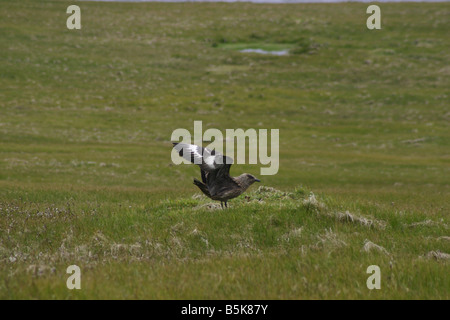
{"x":202,"y":187}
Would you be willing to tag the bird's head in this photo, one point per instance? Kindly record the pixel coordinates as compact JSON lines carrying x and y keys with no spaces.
{"x":248,"y":179}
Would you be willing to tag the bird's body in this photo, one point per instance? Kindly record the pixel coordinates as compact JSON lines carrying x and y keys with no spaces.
{"x":216,"y":183}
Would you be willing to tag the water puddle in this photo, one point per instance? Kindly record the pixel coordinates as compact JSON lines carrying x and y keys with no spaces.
{"x":261,"y":51}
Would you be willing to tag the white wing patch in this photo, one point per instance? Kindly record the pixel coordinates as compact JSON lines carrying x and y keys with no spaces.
{"x":195,"y":151}
{"x":210,"y":162}
{"x":207,"y":161}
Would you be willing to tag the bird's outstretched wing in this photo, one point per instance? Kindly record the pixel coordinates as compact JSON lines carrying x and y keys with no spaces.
{"x":214,"y":168}
{"x":208,"y":160}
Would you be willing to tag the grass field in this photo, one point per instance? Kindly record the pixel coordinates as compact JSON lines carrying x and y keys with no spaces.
{"x":86,"y":177}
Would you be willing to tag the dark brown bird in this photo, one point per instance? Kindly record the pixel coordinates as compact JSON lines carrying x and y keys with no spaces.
{"x":216,"y":183}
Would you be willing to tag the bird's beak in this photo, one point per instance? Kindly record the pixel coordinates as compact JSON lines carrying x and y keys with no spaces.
{"x":257,"y":180}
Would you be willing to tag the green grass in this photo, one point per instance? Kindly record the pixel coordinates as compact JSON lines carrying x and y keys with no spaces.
{"x":86,"y":177}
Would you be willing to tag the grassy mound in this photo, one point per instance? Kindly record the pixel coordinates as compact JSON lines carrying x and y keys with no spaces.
{"x":268,"y":244}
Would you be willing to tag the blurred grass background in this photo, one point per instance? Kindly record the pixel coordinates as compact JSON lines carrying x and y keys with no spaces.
{"x":86,"y":118}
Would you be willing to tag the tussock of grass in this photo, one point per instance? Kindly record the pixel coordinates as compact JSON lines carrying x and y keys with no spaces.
{"x":426,"y":223}
{"x":209,"y":206}
{"x":438,"y":255}
{"x":295,"y":233}
{"x":328,"y":241}
{"x":312,"y":204}
{"x":40,"y":270}
{"x":348,"y":217}
{"x":370,"y":246}
{"x":265,"y":193}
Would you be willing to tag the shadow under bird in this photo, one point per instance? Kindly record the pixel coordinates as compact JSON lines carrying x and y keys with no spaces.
{"x":216,"y":183}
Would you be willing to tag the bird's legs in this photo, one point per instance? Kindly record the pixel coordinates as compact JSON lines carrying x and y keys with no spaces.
{"x":221,"y":203}
{"x":226,"y":204}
